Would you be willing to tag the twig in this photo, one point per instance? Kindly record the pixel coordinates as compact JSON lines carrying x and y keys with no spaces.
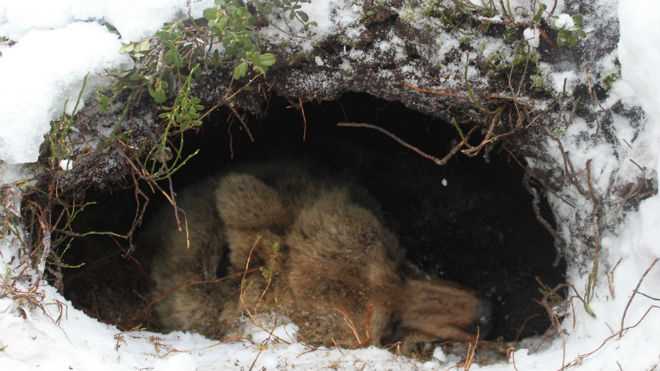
{"x":578,"y":360}
{"x":552,"y":10}
{"x":436,"y":160}
{"x":304,"y":117}
{"x":169,"y":292}
{"x":471,"y":352}
{"x":569,"y":170}
{"x":635,"y":292}
{"x":554,"y":319}
{"x":489,"y":138}
{"x":243,"y":123}
{"x":254,"y":361}
{"x":351,"y":325}
{"x":648,"y":296}
{"x":246,"y":267}
{"x":230,"y":138}
{"x":436,"y":92}
{"x":595,"y":213}
{"x":610,"y":278}
{"x":536,"y":200}
{"x":510,"y":354}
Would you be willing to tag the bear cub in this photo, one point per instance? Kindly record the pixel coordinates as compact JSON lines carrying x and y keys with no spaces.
{"x":312,"y":248}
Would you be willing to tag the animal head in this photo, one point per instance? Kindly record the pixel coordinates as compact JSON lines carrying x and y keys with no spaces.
{"x":438,"y":310}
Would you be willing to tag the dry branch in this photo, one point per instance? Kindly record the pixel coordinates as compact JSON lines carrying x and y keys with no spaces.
{"x":436,"y":160}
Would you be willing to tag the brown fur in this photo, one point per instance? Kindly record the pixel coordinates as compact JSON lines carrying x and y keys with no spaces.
{"x":317,"y":251}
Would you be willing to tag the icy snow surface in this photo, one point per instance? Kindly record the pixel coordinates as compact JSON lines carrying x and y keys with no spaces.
{"x":58,"y":42}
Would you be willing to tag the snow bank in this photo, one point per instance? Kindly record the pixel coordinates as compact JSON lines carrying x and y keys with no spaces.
{"x":55,"y":49}
{"x":640,"y":58}
{"x":43,"y":70}
{"x":133,"y":20}
{"x":57,"y":44}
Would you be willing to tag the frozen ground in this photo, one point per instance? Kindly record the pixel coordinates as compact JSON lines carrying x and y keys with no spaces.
{"x":58,"y":44}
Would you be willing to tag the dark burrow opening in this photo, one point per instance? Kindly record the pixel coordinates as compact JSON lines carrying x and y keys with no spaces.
{"x":470,"y":221}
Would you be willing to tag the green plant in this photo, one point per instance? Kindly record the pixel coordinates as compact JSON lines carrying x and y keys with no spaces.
{"x":291,"y":9}
{"x":612,"y":76}
{"x":164,"y":159}
{"x":233,"y":25}
{"x":569,"y":36}
{"x":538,"y":81}
{"x":60,"y":130}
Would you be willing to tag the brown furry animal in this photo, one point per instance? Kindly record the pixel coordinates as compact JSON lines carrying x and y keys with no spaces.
{"x":313,"y":249}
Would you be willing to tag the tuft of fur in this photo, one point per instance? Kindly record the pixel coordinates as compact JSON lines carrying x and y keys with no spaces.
{"x":313,"y":249}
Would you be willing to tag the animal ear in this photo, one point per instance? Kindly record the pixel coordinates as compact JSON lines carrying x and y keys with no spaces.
{"x":244,"y":201}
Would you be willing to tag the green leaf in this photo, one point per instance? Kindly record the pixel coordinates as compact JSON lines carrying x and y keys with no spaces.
{"x":303,"y":16}
{"x":240,"y":71}
{"x":103,"y":101}
{"x":164,"y":35}
{"x":127,"y":48}
{"x":173,"y":58}
{"x":266,"y":59}
{"x":539,"y":13}
{"x":578,"y":21}
{"x":142,"y":46}
{"x":158,"y":92}
{"x":211,"y":14}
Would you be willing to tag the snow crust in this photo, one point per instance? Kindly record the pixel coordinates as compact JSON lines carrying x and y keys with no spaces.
{"x":56,"y":47}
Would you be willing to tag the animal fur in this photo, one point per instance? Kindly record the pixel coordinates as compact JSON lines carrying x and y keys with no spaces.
{"x":313,"y":249}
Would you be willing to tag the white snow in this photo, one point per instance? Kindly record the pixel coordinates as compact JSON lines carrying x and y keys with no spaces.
{"x":564,"y":21}
{"x":560,"y":81}
{"x":66,"y":164}
{"x":133,"y":19}
{"x":521,"y":9}
{"x":58,"y":43}
{"x":532,"y":36}
{"x":43,"y":70}
{"x":328,"y":16}
{"x":445,"y":43}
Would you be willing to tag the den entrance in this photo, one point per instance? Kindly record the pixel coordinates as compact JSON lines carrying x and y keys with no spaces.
{"x":470,"y":221}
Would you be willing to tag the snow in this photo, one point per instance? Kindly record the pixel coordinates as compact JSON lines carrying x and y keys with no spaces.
{"x":532,"y":36}
{"x":33,"y":92}
{"x":134,"y":20}
{"x":564,"y":21}
{"x":639,"y":58}
{"x":59,"y":42}
{"x":328,"y":16}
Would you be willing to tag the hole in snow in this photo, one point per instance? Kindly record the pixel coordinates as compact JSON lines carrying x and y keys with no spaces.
{"x":470,"y":221}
